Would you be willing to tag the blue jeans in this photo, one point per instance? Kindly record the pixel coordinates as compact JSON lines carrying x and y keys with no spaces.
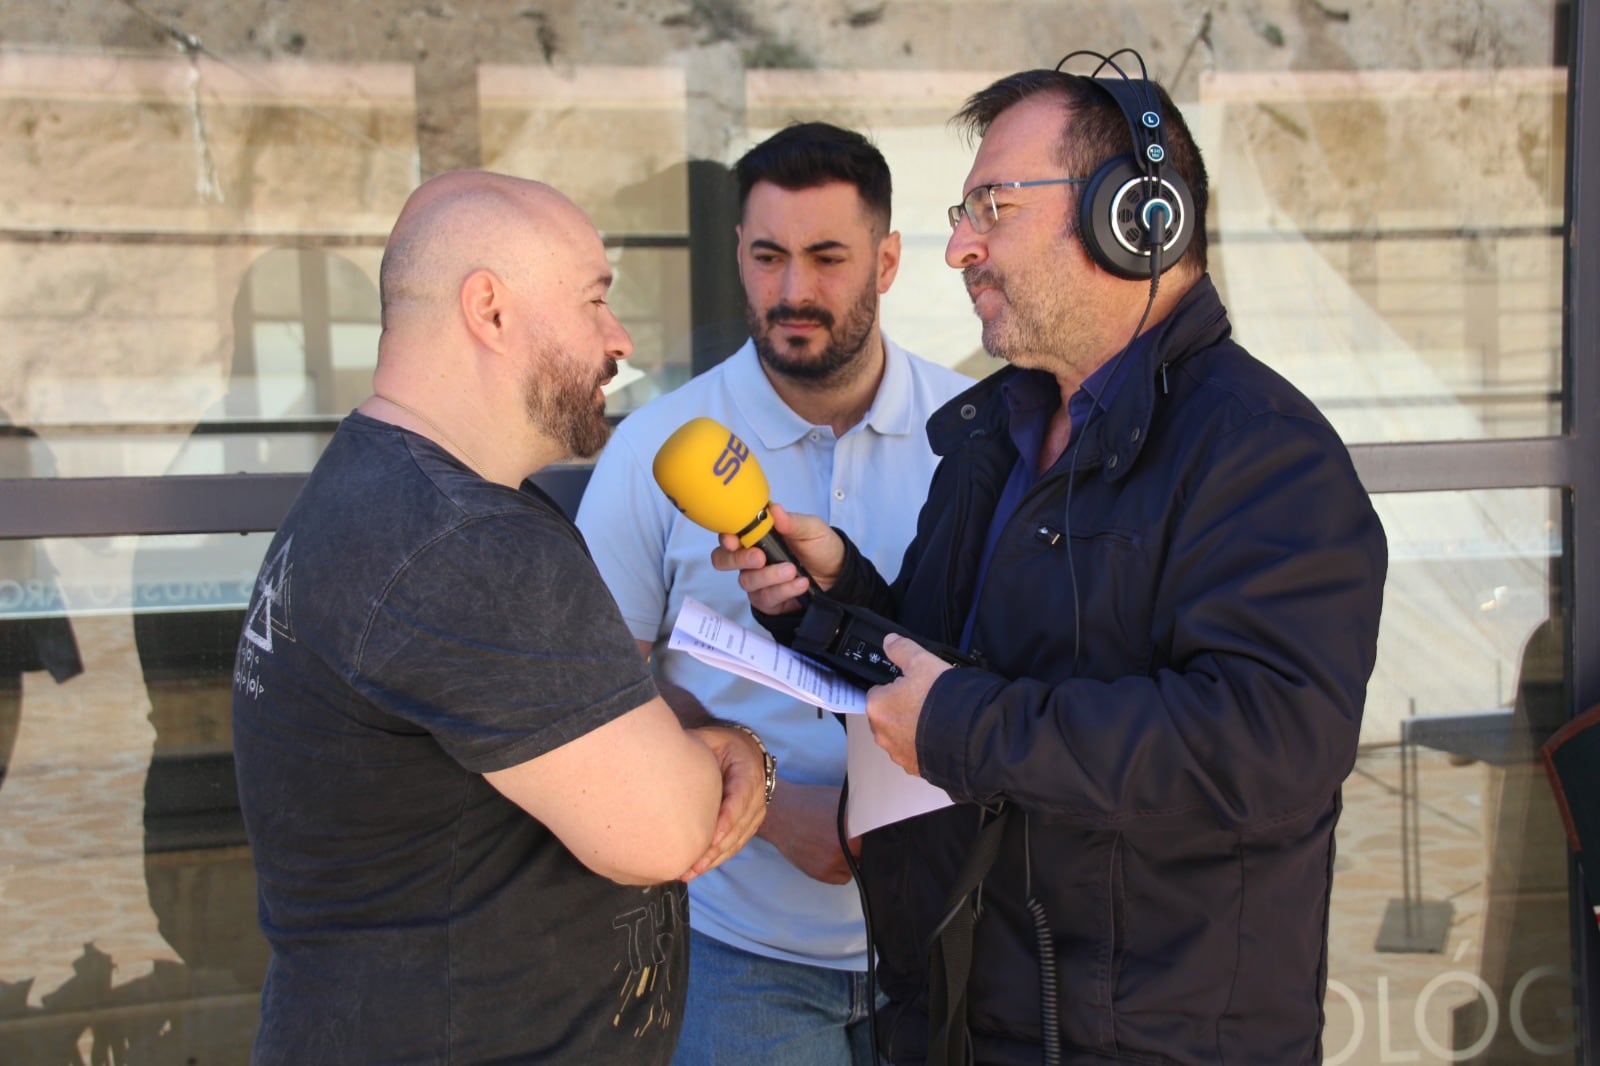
{"x":746,"y":1008}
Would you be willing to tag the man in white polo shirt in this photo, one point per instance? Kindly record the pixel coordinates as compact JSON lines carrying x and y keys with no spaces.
{"x":834,"y":412}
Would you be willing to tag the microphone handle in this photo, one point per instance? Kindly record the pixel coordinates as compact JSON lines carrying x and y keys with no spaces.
{"x":776,"y":551}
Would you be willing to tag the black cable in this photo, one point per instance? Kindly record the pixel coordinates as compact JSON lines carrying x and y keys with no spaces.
{"x":1151,"y":177}
{"x":1049,"y":1001}
{"x":1049,"y":1004}
{"x":866,"y":914}
{"x":1072,"y":464}
{"x":1049,"y":1007}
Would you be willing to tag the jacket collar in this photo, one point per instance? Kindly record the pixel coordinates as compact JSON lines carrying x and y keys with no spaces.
{"x":1118,"y":435}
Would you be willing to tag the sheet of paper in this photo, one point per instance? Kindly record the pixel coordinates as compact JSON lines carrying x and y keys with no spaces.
{"x":725,"y":644}
{"x":880,"y":792}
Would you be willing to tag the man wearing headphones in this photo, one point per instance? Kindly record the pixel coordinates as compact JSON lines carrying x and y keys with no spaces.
{"x":1163,"y":556}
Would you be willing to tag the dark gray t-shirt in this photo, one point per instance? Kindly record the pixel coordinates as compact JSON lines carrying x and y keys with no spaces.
{"x":413,"y":627}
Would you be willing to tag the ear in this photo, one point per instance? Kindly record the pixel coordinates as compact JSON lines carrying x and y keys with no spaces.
{"x":888,"y":260}
{"x":483,"y":308}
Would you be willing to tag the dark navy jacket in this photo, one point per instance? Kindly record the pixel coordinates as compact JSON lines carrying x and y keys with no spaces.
{"x":1175,"y":722}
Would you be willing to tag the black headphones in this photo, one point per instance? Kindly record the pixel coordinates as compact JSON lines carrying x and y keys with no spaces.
{"x":1136,"y":215}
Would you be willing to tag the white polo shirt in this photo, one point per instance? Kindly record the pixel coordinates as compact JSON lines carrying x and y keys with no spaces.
{"x":871,"y":483}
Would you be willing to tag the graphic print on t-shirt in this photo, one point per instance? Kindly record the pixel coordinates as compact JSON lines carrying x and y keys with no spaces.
{"x":268,"y":618}
{"x":651,"y":930}
{"x":272,"y":589}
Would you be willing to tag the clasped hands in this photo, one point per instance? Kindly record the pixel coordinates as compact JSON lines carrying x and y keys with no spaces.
{"x":744,"y":806}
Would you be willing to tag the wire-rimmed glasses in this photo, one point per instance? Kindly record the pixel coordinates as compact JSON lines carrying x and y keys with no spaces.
{"x":979,"y":208}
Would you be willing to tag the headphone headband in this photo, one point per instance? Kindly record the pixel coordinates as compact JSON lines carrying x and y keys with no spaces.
{"x":1135,"y":215}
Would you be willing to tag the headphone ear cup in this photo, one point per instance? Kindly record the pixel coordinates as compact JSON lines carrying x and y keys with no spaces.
{"x":1112,"y":222}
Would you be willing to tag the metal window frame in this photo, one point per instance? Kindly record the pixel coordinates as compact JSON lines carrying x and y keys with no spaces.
{"x":197,"y":503}
{"x":1581,"y":346}
{"x":1569,"y":462}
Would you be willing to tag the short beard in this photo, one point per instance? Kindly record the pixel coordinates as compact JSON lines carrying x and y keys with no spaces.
{"x":559,"y":395}
{"x":1033,"y":326}
{"x":838,"y":360}
{"x":995,"y":340}
{"x":1028,"y":333}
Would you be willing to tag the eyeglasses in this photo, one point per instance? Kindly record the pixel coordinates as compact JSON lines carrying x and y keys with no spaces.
{"x":980,"y":209}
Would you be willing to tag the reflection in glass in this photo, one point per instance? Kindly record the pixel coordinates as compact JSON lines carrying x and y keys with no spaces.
{"x":1392,"y":241}
{"x":1450,"y":933}
{"x":650,"y":295}
{"x":35,"y":633}
{"x":296,"y":356}
{"x":126,"y":887}
{"x":196,"y":202}
{"x":306,"y":325}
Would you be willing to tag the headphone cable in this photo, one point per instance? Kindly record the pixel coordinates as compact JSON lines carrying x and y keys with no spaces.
{"x":866,"y":914}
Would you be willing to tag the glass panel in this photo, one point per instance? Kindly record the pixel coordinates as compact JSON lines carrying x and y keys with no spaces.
{"x":1410,"y":303}
{"x":1450,"y":934}
{"x":195,"y":203}
{"x":126,"y":888}
{"x":227,"y":275}
{"x":1387,"y":218}
{"x":651,"y":296}
{"x":294,"y":353}
{"x":1392,"y":240}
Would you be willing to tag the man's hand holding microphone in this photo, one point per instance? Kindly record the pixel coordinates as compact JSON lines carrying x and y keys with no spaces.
{"x":893,"y":710}
{"x":780,"y":557}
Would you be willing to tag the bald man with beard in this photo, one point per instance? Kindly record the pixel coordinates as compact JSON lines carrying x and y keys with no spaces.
{"x":471,"y":814}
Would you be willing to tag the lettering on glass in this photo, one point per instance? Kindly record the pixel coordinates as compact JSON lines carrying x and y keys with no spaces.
{"x":1396,"y":1031}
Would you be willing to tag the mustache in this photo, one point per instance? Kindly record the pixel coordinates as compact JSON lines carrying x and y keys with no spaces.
{"x":608,"y":370}
{"x":976,"y":275}
{"x":780,"y":313}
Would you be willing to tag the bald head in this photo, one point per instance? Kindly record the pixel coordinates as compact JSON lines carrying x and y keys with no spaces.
{"x":465,"y":221}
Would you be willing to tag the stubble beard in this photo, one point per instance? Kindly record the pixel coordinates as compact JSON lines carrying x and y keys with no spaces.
{"x":1038,"y":325}
{"x":1043,"y":326}
{"x":1009,"y":333}
{"x":838,"y":361}
{"x":560,"y":397}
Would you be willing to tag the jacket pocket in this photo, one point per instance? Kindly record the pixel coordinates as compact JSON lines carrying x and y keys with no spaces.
{"x":1115,"y":595}
{"x":1085,"y":916}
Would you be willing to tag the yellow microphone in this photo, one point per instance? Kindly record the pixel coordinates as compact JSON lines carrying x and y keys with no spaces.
{"x":710,"y":475}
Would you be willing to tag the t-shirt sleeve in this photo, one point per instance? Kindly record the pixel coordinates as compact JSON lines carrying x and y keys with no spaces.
{"x":500,"y":640}
{"x":626,"y":520}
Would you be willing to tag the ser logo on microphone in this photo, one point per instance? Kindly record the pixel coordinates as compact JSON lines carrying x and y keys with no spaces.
{"x":731,"y":460}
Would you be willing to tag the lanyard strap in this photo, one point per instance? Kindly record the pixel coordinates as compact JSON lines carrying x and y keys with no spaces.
{"x":950,"y":951}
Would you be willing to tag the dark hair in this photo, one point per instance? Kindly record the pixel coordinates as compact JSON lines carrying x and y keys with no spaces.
{"x":804,"y":155}
{"x":1095,"y":130}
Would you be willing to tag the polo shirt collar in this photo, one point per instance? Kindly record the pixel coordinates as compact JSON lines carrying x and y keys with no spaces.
{"x":778,"y":426}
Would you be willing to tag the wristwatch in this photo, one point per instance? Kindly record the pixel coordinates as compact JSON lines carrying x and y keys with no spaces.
{"x":769,"y":762}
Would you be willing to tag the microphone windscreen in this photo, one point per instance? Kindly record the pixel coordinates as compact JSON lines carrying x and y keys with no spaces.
{"x":709,"y":474}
